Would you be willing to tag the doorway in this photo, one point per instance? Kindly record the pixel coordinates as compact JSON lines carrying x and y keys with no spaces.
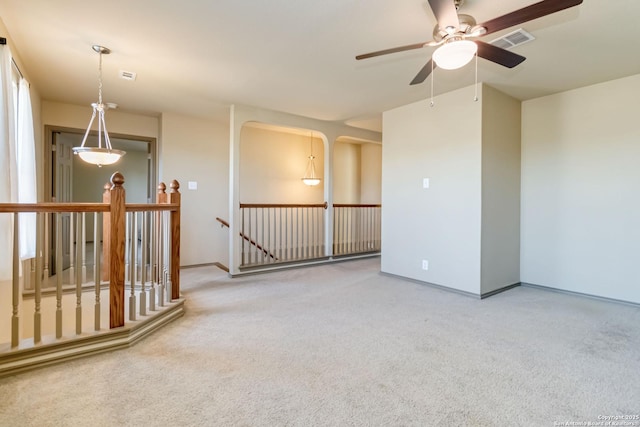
{"x":69,"y":179}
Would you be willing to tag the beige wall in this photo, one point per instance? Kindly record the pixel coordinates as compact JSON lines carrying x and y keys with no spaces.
{"x":440,"y":224}
{"x":357,"y":172}
{"x":197,"y":150}
{"x":76,"y":116}
{"x":500,"y":190}
{"x":466,"y":223}
{"x":371,"y":173}
{"x":272,"y":165}
{"x":347,"y":182}
{"x":580,"y":181}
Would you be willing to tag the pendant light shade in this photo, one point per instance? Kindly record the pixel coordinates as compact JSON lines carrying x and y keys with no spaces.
{"x":102,"y":154}
{"x":310,"y":177}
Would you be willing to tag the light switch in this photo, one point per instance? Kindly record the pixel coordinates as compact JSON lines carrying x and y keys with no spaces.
{"x":193,"y":185}
{"x":425,"y":183}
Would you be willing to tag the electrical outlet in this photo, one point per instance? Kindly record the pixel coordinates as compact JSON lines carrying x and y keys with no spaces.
{"x":425,"y":264}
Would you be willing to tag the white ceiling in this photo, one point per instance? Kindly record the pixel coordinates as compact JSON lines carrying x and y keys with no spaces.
{"x":197,"y":57}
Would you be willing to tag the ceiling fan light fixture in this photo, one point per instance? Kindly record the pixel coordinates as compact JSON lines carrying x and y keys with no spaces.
{"x":455,"y":54}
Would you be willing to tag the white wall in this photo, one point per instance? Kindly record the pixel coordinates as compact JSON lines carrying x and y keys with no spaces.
{"x":580,"y":181}
{"x":197,"y":150}
{"x":440,"y":224}
{"x":500,"y":190}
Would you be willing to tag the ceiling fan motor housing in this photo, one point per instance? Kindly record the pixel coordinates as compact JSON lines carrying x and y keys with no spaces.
{"x":467,"y":23}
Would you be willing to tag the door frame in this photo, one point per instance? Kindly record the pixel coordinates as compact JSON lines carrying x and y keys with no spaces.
{"x":49,"y":160}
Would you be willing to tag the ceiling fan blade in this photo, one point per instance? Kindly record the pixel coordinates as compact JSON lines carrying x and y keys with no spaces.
{"x":423,"y":73}
{"x":392,"y":50}
{"x":498,"y":55}
{"x":445,"y":13}
{"x":536,"y":10}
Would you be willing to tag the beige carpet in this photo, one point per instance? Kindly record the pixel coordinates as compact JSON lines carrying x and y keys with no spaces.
{"x":341,"y":344}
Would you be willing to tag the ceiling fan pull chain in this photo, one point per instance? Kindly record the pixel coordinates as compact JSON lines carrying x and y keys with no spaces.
{"x":432,"y":78}
{"x":475,"y":98}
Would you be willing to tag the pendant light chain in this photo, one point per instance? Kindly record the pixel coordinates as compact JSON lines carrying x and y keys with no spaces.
{"x":100,"y":78}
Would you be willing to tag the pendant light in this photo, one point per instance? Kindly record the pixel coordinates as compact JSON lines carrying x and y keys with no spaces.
{"x":102,"y":154}
{"x":310,"y":177}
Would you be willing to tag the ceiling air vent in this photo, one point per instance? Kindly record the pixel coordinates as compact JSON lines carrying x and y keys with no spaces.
{"x":127,"y":75}
{"x":514,"y":38}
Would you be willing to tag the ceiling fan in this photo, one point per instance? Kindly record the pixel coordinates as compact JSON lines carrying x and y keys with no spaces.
{"x":453,"y":30}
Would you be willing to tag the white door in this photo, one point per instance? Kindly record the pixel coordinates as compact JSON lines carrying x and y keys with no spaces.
{"x":63,"y":185}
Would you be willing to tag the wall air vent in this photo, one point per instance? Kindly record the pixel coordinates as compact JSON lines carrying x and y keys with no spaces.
{"x":514,"y":38}
{"x":127,"y":75}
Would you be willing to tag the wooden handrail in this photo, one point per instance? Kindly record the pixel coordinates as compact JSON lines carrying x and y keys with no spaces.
{"x":248,"y":239}
{"x":53,"y":207}
{"x":222,"y":221}
{"x":113,"y":208}
{"x":148,"y":207}
{"x":347,"y":205}
{"x":283,"y":205}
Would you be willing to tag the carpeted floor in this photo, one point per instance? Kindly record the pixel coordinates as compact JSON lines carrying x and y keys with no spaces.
{"x":341,"y":344}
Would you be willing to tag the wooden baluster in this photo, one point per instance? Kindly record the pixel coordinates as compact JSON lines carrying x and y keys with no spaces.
{"x":267,"y":244}
{"x":161,"y":197}
{"x":174,"y":198}
{"x":287,"y":217}
{"x":127,"y":245}
{"x":242,"y":245}
{"x":106,"y":234}
{"x":132,"y":265}
{"x":37,"y":315}
{"x":84,"y":247}
{"x":59,"y":267}
{"x":80,"y":226}
{"x":336,"y":230}
{"x":96,"y":271}
{"x":116,"y":254}
{"x":143,"y":261}
{"x":15,"y":318}
{"x":153,"y":246}
{"x":161,"y":259}
{"x":280,"y":233}
{"x":250,"y":250}
{"x":46,"y":247}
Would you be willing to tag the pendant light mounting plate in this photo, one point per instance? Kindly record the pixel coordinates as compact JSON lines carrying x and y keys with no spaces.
{"x":101,"y":49}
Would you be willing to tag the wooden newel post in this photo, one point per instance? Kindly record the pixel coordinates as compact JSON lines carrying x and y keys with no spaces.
{"x":117,"y":242}
{"x":161,"y":197}
{"x":106,"y":234}
{"x":174,"y":198}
